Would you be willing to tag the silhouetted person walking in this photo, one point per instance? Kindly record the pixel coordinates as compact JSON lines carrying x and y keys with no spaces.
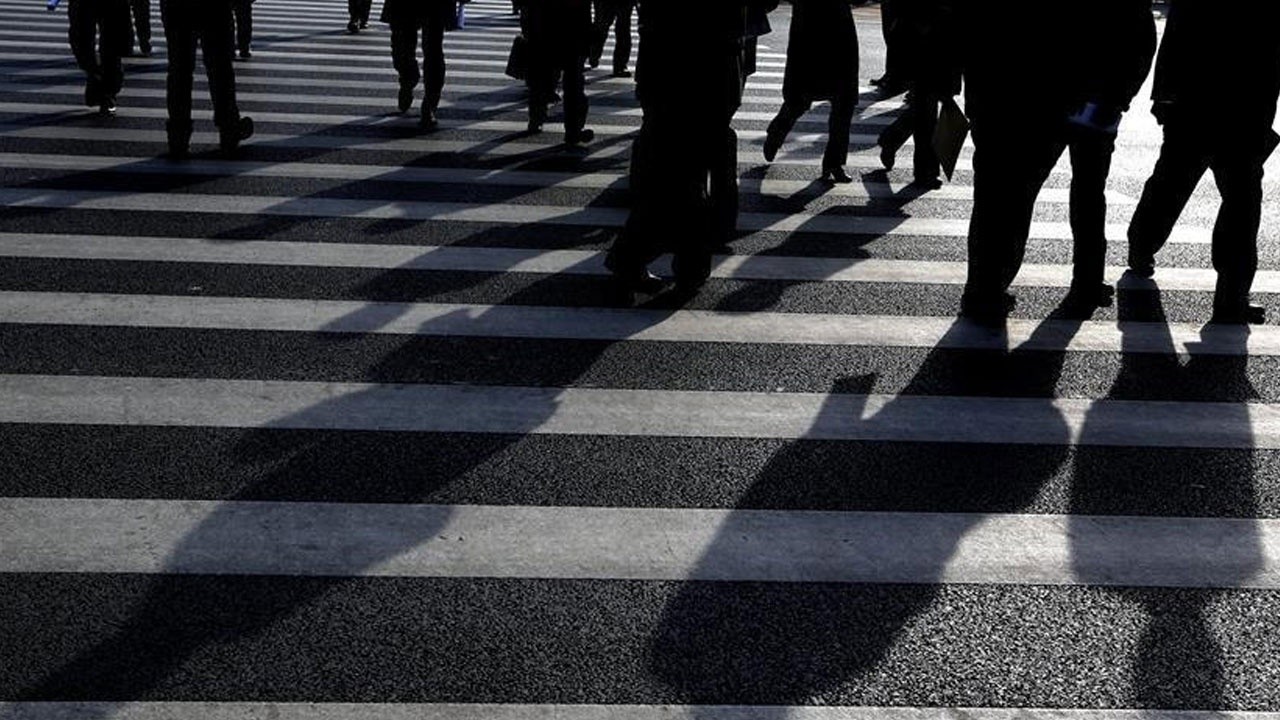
{"x":615,"y":13}
{"x":98,"y":32}
{"x":559,"y":33}
{"x":1022,"y":91}
{"x":932,"y":70}
{"x":892,"y":82}
{"x":243,"y":10}
{"x":209,"y":24}
{"x":693,"y":64}
{"x":1204,"y":42}
{"x":408,"y":19}
{"x":822,"y":64}
{"x":358,"y":14}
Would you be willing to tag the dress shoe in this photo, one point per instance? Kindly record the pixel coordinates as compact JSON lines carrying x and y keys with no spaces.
{"x":146,"y":49}
{"x":107,"y":108}
{"x":364,"y":24}
{"x":1239,"y":315}
{"x":428,"y":121}
{"x":691,"y":270}
{"x":593,"y":62}
{"x":353,"y":27}
{"x":245,"y":54}
{"x":772,"y":143}
{"x":579,"y":137}
{"x":405,"y":99}
{"x":836,"y":175}
{"x":230,"y":138}
{"x":887,"y":157}
{"x":624,"y":73}
{"x":1081,"y":301}
{"x":1141,"y":262}
{"x":926,"y":183}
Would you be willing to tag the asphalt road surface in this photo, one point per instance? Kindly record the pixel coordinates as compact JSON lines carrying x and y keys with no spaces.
{"x":348,"y":427}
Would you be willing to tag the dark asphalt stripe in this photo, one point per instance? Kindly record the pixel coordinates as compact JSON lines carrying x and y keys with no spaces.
{"x":231,"y":354}
{"x":120,"y":637}
{"x":57,"y":275}
{"x":547,"y":470}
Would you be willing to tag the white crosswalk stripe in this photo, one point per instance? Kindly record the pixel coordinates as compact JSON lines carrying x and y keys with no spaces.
{"x":347,"y":425}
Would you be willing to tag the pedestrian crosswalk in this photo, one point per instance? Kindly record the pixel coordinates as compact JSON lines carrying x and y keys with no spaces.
{"x":349,"y":425}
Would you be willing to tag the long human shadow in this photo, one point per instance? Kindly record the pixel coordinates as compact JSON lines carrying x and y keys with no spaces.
{"x":337,"y":460}
{"x":1178,"y":662}
{"x":779,"y":644}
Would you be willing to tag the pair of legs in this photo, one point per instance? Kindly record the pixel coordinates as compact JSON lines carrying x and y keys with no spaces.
{"x":838,"y":125}
{"x":616,"y":13}
{"x":208,"y":24}
{"x":549,"y":60}
{"x":1188,"y":151}
{"x":243,"y":10}
{"x":99,"y":36}
{"x":404,"y":56}
{"x":918,"y":119}
{"x":358,"y":14}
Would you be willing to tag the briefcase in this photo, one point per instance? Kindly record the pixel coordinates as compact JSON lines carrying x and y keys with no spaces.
{"x":518,"y":60}
{"x":949,"y":135}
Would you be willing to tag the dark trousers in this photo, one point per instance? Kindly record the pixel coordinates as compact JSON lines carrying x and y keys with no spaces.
{"x":209,"y":24}
{"x":404,"y":56}
{"x":1012,"y":158}
{"x":141,"y":28}
{"x":1090,"y":153}
{"x":243,"y":10}
{"x":618,"y":14}
{"x":1237,"y":170}
{"x":838,"y":124}
{"x":550,"y":60}
{"x":919,"y":119}
{"x":99,"y":36}
{"x":358,"y":10}
{"x":888,"y":28}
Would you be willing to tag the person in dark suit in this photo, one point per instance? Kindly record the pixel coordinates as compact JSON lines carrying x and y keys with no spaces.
{"x":243,"y":11}
{"x":98,"y":32}
{"x":891,"y":82}
{"x":693,"y":64}
{"x":1022,"y":90}
{"x":140,"y":31}
{"x":207,"y":23}
{"x":408,"y":19}
{"x":822,"y":64}
{"x":1204,"y":42}
{"x":358,"y":15}
{"x":559,"y":33}
{"x":616,"y":13}
{"x":932,"y":70}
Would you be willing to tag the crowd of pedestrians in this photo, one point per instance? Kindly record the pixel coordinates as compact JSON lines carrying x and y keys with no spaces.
{"x":1045,"y":79}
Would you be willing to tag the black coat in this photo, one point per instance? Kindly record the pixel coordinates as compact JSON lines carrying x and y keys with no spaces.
{"x":822,"y":52}
{"x":558,"y":24}
{"x":1219,"y":63}
{"x":416,"y":12}
{"x":925,"y":35}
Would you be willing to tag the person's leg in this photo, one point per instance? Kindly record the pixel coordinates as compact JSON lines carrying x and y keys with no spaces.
{"x":838,"y":126}
{"x":82,"y":35}
{"x":1238,"y":173}
{"x":142,"y":24}
{"x":781,"y":126}
{"x":113,"y":45}
{"x":1090,"y":164}
{"x":622,"y":37}
{"x":605,"y":13}
{"x":180,"y":39}
{"x":1182,"y":163}
{"x":215,"y":42}
{"x":926,"y":169}
{"x":575,"y":95}
{"x":244,"y":25}
{"x":433,"y":68}
{"x":404,"y":58}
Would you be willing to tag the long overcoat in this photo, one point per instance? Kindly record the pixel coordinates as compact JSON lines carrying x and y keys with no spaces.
{"x":822,"y":53}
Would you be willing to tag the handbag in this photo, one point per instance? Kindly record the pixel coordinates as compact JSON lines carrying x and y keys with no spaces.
{"x":518,"y":60}
{"x":949,"y":135}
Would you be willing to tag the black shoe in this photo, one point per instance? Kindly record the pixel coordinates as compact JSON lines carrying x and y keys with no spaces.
{"x":991,"y":313}
{"x":245,"y":54}
{"x":1141,"y":263}
{"x":593,"y":62}
{"x":537,"y":117}
{"x":691,"y":270}
{"x":108,"y":106}
{"x":772,"y":144}
{"x":926,"y":183}
{"x":887,"y":157}
{"x":364,"y":24}
{"x":891,"y":87}
{"x":230,"y":138}
{"x":620,"y":73}
{"x":353,"y":27}
{"x":1081,"y":301}
{"x":145,"y":49}
{"x":836,"y":175}
{"x":405,"y":99}
{"x":428,"y":121}
{"x":580,"y":137}
{"x":1239,"y":315}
